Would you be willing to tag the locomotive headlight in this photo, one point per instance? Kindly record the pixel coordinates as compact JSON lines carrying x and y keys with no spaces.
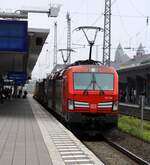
{"x":70,"y":105}
{"x":115,"y":106}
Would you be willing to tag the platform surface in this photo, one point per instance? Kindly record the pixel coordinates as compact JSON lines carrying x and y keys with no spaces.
{"x":21,"y":141}
{"x":29,"y":135}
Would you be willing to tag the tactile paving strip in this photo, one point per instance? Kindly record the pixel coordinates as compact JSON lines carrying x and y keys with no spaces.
{"x":70,"y":152}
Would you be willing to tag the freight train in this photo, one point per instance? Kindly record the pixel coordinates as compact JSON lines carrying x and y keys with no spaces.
{"x":83,"y":93}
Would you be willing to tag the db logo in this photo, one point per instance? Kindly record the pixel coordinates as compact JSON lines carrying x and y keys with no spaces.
{"x":93,"y":106}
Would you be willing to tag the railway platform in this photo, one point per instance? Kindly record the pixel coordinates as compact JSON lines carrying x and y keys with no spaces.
{"x":29,"y":135}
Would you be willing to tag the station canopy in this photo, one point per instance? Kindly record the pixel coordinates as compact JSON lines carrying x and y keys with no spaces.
{"x":20,"y":46}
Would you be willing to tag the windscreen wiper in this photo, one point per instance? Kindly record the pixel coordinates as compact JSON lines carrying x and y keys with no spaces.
{"x":86,"y":89}
{"x":100,"y":89}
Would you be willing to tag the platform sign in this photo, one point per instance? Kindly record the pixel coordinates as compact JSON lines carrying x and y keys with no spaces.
{"x":19,"y":78}
{"x":13,"y":36}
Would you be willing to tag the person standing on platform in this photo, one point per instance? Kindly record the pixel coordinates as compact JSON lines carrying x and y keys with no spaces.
{"x":25,"y":94}
{"x":20,"y":93}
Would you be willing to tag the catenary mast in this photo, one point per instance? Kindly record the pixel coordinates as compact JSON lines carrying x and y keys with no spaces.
{"x":68,"y":37}
{"x":107,"y":33}
{"x":55,"y":44}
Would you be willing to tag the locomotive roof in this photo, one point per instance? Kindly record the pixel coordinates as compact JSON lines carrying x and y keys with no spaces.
{"x":84,"y":66}
{"x":89,"y":68}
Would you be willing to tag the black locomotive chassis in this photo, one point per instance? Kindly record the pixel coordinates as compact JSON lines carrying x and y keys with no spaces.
{"x":95,"y":120}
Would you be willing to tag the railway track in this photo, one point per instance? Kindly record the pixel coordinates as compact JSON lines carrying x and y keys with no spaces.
{"x":134,"y":110}
{"x":126,"y":152}
{"x":112,"y":153}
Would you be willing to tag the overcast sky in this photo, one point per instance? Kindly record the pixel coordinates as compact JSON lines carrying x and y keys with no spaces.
{"x":130,"y":26}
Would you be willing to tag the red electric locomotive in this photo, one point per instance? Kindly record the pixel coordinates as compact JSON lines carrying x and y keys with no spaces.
{"x":84,"y":94}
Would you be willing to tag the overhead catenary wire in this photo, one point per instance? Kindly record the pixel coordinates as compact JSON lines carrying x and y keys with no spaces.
{"x":100,"y":16}
{"x":130,"y":16}
{"x":143,"y":15}
{"x":115,"y":15}
{"x":135,"y":8}
{"x":140,"y":15}
{"x":121,"y":20}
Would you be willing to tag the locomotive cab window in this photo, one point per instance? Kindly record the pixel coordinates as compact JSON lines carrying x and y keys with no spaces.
{"x":105,"y":81}
{"x":93,"y":81}
{"x":82,"y":81}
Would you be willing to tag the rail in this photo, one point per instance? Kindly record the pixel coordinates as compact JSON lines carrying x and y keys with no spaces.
{"x":127,"y":153}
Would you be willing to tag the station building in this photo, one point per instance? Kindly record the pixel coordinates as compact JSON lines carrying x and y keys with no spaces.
{"x":134,"y":75}
{"x":20,"y":47}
